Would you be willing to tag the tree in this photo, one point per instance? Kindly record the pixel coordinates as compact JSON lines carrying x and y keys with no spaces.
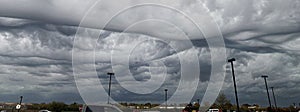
{"x":73,"y":107}
{"x":43,"y":106}
{"x":57,"y":106}
{"x":245,"y":107}
{"x":222,"y":102}
{"x":34,"y":106}
{"x":124,"y":104}
{"x":148,"y":105}
{"x":228,"y":106}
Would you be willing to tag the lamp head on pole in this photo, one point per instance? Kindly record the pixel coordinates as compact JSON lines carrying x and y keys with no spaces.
{"x":166,"y":89}
{"x":264,"y":76}
{"x":231,"y":60}
{"x":110,"y":73}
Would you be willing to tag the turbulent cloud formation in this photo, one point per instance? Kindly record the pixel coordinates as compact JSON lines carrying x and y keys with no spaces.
{"x":37,"y":40}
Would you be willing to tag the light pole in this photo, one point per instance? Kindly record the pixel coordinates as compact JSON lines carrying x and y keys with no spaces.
{"x":19,"y":106}
{"x":109,"y":85}
{"x":234,"y":84}
{"x":272,"y":88}
{"x":295,"y":105}
{"x":265,"y":78}
{"x":166,"y":97}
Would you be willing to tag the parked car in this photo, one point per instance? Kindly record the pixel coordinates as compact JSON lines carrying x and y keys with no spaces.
{"x":214,"y":110}
{"x":44,"y":111}
{"x":100,"y":108}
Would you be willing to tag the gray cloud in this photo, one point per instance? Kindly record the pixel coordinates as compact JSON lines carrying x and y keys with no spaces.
{"x":35,"y":50}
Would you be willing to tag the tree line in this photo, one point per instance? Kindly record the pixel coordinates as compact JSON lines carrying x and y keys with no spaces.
{"x":224,"y":104}
{"x":54,"y":106}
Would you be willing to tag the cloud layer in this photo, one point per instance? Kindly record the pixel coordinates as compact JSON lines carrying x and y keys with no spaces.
{"x":36,"y":56}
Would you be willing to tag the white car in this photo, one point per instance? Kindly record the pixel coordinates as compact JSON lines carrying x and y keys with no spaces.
{"x":213,"y":110}
{"x":44,"y":111}
{"x":100,"y":108}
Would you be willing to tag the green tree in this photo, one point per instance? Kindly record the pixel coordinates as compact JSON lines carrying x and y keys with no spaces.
{"x":148,"y":105}
{"x":73,"y":107}
{"x":43,"y":106}
{"x":222,"y":102}
{"x":34,"y":106}
{"x":124,"y":104}
{"x":228,"y":106}
{"x":244,"y":107}
{"x":57,"y":106}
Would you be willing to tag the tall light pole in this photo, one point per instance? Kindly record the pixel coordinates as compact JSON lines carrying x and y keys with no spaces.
{"x":235,"y":91}
{"x":109,"y":85}
{"x":19,"y":105}
{"x":265,"y":78}
{"x":272,"y":88}
{"x":166,"y":97}
{"x":294,"y":105}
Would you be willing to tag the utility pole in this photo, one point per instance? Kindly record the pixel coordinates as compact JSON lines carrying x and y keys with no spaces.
{"x":235,"y":91}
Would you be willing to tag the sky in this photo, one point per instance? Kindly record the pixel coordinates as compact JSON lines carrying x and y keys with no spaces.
{"x":150,"y":46}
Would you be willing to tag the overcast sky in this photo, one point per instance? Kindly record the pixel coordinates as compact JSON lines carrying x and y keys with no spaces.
{"x":37,"y":38}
